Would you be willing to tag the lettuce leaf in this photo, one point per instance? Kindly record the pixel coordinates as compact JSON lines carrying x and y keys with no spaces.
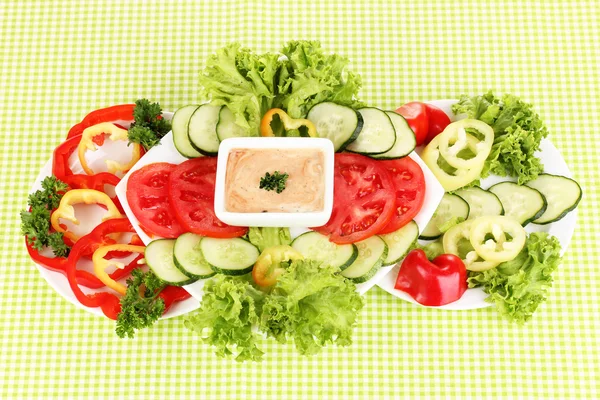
{"x":267,"y":237}
{"x":243,"y":81}
{"x":250,"y":84}
{"x":312,"y":305}
{"x":230,"y":307}
{"x":518,"y":132}
{"x":519,"y":286}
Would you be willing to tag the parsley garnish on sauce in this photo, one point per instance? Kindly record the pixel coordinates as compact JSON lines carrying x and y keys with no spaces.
{"x":276,"y":181}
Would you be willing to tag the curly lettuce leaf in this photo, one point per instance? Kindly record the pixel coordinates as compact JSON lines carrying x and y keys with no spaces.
{"x":312,"y":77}
{"x":313,"y":306}
{"x":229,"y":308}
{"x":243,"y":81}
{"x":267,"y":237}
{"x":519,"y":286}
{"x":518,"y":132}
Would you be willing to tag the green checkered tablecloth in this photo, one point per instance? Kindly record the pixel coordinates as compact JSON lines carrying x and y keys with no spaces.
{"x":61,"y":59}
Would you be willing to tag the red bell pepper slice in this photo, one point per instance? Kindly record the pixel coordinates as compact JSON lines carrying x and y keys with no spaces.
{"x":62,"y":171}
{"x":121,"y":112}
{"x":172,"y":294}
{"x":434,"y":283}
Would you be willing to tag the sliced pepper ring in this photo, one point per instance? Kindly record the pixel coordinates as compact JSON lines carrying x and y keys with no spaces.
{"x":66,"y":211}
{"x":288,"y":122}
{"x":461,"y":177}
{"x":498,"y":248}
{"x":268,"y":265}
{"x":116,"y":133}
{"x":472,"y":260}
{"x":455,"y":133}
{"x":101,"y":264}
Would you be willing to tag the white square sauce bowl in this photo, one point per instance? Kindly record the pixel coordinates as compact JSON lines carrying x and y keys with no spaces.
{"x":306,"y":200}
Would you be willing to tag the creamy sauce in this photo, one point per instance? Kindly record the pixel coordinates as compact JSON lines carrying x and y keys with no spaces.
{"x":304,"y":189}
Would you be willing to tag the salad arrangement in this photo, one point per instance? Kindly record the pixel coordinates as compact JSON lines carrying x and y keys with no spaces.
{"x":302,"y":288}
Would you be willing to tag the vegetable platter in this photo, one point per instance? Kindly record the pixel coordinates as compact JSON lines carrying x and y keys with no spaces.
{"x":142,"y":214}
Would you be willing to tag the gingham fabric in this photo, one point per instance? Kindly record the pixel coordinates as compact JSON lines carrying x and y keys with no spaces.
{"x":62,"y":59}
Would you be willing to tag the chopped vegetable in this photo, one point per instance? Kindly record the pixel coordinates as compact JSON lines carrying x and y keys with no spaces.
{"x":432,"y":283}
{"x":497,"y":238}
{"x":66,"y":211}
{"x":35,"y":223}
{"x":312,"y":305}
{"x":265,"y":237}
{"x":519,"y":286}
{"x":518,"y":132}
{"x":149,"y":125}
{"x":275,"y":181}
{"x":101,"y":263}
{"x":273,"y":262}
{"x":141,"y":306}
{"x":285,"y":125}
{"x":88,"y":142}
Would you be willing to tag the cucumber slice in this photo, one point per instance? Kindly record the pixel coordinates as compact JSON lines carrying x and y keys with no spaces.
{"x":371,"y":253}
{"x":229,"y":256}
{"x":562,"y":194}
{"x":315,"y":246}
{"x":399,"y":242}
{"x":481,"y":202}
{"x":451,"y":206}
{"x":227,"y":128}
{"x":159,"y":257}
{"x":377,"y":135}
{"x":523,"y":203}
{"x":405,"y":138}
{"x":188,"y":257}
{"x":340,"y":124}
{"x":179,"y":126}
{"x":202,"y":129}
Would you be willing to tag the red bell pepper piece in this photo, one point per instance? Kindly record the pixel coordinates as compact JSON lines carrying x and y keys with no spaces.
{"x":121,"y":112}
{"x":434,"y":283}
{"x":172,"y":294}
{"x":62,"y":171}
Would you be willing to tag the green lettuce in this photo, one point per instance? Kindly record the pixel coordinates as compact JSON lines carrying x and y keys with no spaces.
{"x":519,"y":286}
{"x":230,"y":307}
{"x":250,"y":84}
{"x":312,"y":305}
{"x":518,"y":132}
{"x":267,"y":237}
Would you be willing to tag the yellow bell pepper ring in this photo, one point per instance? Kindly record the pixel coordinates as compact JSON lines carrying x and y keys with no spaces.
{"x":268,"y":268}
{"x":101,"y":264}
{"x":66,"y":211}
{"x":115,"y":133}
{"x":266,"y":129}
{"x":456,"y":134}
{"x":490,"y":238}
{"x":449,"y":181}
{"x":451,"y":241}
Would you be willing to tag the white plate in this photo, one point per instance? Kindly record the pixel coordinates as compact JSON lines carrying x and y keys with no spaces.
{"x":562,"y":229}
{"x":166,"y":152}
{"x":91,"y":218}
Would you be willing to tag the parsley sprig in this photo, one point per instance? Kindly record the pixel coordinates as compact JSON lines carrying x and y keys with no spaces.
{"x":141,"y":306}
{"x":275,"y":181}
{"x":35,"y":223}
{"x":149,"y":126}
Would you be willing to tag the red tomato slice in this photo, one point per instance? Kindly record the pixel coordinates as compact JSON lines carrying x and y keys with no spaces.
{"x":409,"y":184}
{"x":438,"y":121}
{"x":363,"y":199}
{"x":148,"y":198}
{"x":192,"y":194}
{"x":415,"y":114}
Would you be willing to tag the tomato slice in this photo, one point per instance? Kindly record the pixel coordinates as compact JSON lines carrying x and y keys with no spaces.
{"x":192,"y":196}
{"x":363,"y":199}
{"x":148,"y":198}
{"x":438,"y":121}
{"x":409,"y":185}
{"x":415,"y":114}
